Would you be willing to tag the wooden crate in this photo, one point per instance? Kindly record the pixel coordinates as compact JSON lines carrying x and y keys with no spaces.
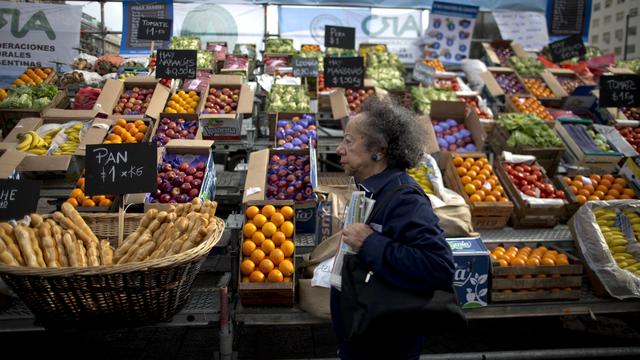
{"x":538,"y":295}
{"x":266,"y":293}
{"x":485,"y":215}
{"x":548,"y":158}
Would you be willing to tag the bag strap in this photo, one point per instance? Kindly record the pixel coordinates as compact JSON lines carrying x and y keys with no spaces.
{"x":382,"y":203}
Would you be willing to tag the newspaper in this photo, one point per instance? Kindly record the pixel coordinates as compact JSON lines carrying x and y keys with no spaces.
{"x":357,"y":211}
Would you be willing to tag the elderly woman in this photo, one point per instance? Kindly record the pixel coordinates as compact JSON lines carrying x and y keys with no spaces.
{"x":403,"y":242}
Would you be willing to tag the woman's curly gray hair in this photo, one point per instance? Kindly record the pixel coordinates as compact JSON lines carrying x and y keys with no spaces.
{"x":389,"y":126}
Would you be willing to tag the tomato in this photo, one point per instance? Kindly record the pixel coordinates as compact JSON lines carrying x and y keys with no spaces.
{"x":560,"y":194}
{"x":530,"y":193}
{"x":535,"y":168}
{"x":525,"y":188}
{"x":518,"y":168}
{"x":531,"y":178}
{"x":526,"y":168}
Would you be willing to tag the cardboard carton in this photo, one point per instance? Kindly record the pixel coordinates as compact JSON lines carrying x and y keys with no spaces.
{"x":188,"y":117}
{"x":491,"y":56}
{"x":112,"y":90}
{"x":9,"y":159}
{"x":494,"y":90}
{"x":245,"y":100}
{"x":471,"y":278}
{"x":456,"y":110}
{"x":585,"y":158}
{"x":220,"y":127}
{"x":339,"y":104}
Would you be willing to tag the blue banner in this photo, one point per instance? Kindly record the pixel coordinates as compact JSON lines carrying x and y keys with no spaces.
{"x":132,"y":11}
{"x":450,"y":31}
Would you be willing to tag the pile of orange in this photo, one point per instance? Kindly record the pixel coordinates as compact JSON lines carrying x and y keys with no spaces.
{"x":597,"y":187}
{"x":540,"y":256}
{"x":531,"y":105}
{"x":268,"y":245}
{"x":478,"y":179}
{"x":78,"y":198}
{"x":127,"y":132}
{"x":33,"y":76}
{"x":183,"y":102}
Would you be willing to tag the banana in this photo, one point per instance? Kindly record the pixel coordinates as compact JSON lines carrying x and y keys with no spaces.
{"x":26,"y":142}
{"x":618,"y":249}
{"x":37,"y":151}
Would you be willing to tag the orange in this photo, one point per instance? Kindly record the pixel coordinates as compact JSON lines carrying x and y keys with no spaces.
{"x":267,"y":246}
{"x":258,"y":237}
{"x":287,"y":229}
{"x":252,"y":211}
{"x":287,"y":248}
{"x":475,"y":169}
{"x":277,"y":219}
{"x":593,"y":198}
{"x":275,"y":276}
{"x":105,"y":203}
{"x":249,"y":229}
{"x":457,"y":161}
{"x":121,"y":122}
{"x":628,"y":192}
{"x":278,"y":238}
{"x":268,"y":211}
{"x":606,"y":182}
{"x":245,"y":279}
{"x":287,"y":279}
{"x":614,"y":193}
{"x":503,"y":199}
{"x":466,"y":165}
{"x":599,"y":194}
{"x":548,"y":262}
{"x":466,"y":180}
{"x":138,"y":123}
{"x":589,"y":188}
{"x":490,"y":198}
{"x":477,"y":183}
{"x":518,"y":262}
{"x":567,"y":180}
{"x":609,"y":197}
{"x":581,"y":199}
{"x":618,"y":187}
{"x":602,"y":188}
{"x":256,"y":276}
{"x":577,"y":184}
{"x":609,"y":177}
{"x":499,"y":248}
{"x":269,"y":228}
{"x":98,"y":198}
{"x":286,"y":267}
{"x":88,"y":202}
{"x":143,"y":129}
{"x":80,"y":183}
{"x":620,"y":181}
{"x":626,"y":196}
{"x":287,"y":212}
{"x":247,"y":247}
{"x":265,"y":266}
{"x":499,"y":188}
{"x":73,"y":201}
{"x":562,"y":260}
{"x":247,"y":267}
{"x":469,"y":189}
{"x":584,"y":192}
{"x":503,"y":263}
{"x":260,"y":220}
{"x":472,"y":174}
{"x":257,"y":255}
{"x":533,"y":261}
{"x":139,"y":136}
{"x":75,"y":193}
{"x":276,"y":256}
{"x":475,"y":198}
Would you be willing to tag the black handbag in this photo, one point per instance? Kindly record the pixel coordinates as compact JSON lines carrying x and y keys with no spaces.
{"x":368,"y":303}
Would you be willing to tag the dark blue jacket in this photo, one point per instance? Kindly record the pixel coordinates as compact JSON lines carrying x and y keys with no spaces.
{"x":410,"y":251}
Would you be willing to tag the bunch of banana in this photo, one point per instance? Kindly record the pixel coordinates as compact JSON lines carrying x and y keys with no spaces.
{"x":70,"y":146}
{"x":35,"y":144}
{"x":624,"y":253}
{"x":420,"y":175}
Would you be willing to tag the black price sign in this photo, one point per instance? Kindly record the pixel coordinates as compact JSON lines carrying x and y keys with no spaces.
{"x":347,"y":72}
{"x":18,"y":198}
{"x":567,"y":48}
{"x":567,"y":17}
{"x":154,"y":29}
{"x":305,"y":67}
{"x":121,"y":168}
{"x":340,"y":37}
{"x":619,"y":91}
{"x":176,"y":64}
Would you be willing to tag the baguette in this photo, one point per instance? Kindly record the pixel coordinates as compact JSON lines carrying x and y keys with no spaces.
{"x":126,"y":245}
{"x":177,"y":245}
{"x":36,"y":220}
{"x":106,"y":253}
{"x":11,"y":245}
{"x":35,"y":244}
{"x":26,"y":247}
{"x":49,"y":248}
{"x":72,"y":250}
{"x":67,"y":224}
{"x":83,"y":253}
{"x":5,"y":255}
{"x":56,"y":230}
{"x":8,"y":228}
{"x":143,"y":252}
{"x":194,"y":234}
{"x":69,"y":211}
{"x":93,"y":256}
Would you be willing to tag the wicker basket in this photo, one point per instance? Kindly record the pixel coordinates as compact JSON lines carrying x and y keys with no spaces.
{"x":133,"y":293}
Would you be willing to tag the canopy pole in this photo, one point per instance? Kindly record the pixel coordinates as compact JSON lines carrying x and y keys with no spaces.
{"x":102,"y":27}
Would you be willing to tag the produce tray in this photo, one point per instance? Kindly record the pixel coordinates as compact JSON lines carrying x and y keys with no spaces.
{"x":485,"y":215}
{"x":10,"y":117}
{"x":550,"y":81}
{"x":147,"y":135}
{"x":511,"y":107}
{"x":585,"y":157}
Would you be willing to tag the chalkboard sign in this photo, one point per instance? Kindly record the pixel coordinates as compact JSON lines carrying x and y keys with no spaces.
{"x":339,"y":37}
{"x":567,"y":48}
{"x":121,"y":168}
{"x":567,"y":17}
{"x":18,"y":198}
{"x":347,"y":72}
{"x":305,"y":67}
{"x":176,"y":64}
{"x":154,"y":29}
{"x":619,"y":91}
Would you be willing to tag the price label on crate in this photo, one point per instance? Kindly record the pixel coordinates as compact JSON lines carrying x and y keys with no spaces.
{"x":305,"y":67}
{"x":176,"y":64}
{"x":121,"y":168}
{"x":154,"y":29}
{"x":339,"y":37}
{"x":567,"y":48}
{"x":347,"y":72}
{"x":619,"y":90}
{"x":18,"y":198}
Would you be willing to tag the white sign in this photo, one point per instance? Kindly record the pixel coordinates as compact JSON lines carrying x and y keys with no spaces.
{"x":527,"y":28}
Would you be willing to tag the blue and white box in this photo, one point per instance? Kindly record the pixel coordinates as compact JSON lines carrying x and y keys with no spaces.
{"x":471,"y":279}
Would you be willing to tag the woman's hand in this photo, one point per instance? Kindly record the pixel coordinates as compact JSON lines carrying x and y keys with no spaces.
{"x":355,"y":234}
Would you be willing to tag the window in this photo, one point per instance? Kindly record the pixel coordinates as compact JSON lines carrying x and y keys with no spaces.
{"x":632,"y":30}
{"x":620,"y":2}
{"x":633,"y":12}
{"x":596,"y":7}
{"x":618,"y":35}
{"x":606,"y":37}
{"x":607,"y":3}
{"x":596,"y":23}
{"x":618,"y":50}
{"x":620,"y":16}
{"x":594,"y":39}
{"x":631,"y":48}
{"x":607,"y":20}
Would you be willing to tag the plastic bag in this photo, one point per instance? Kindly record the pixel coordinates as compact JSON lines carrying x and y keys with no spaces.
{"x":473,"y":68}
{"x":86,"y":98}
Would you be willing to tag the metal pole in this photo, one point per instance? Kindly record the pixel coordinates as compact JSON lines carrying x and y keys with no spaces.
{"x":102,"y":27}
{"x":626,"y":37}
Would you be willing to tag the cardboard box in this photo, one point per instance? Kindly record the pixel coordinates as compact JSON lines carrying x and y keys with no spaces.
{"x":457,"y":110}
{"x":256,"y":183}
{"x":201,"y":102}
{"x":188,"y":117}
{"x":471,"y":279}
{"x":339,"y":104}
{"x":9,"y":159}
{"x":585,"y":157}
{"x":147,"y":135}
{"x":221,"y":127}
{"x":245,"y":101}
{"x":189,"y":147}
{"x":495,"y":90}
{"x":273,"y":121}
{"x":491,"y":58}
{"x":112,"y":90}
{"x":631,"y":171}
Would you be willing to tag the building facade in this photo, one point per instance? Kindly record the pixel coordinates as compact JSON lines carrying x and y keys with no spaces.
{"x":615,"y":23}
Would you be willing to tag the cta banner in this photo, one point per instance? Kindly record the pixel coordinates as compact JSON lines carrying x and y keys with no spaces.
{"x":36,"y":35}
{"x":450,"y":31}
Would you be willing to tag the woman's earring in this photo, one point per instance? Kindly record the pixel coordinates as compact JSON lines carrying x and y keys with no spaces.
{"x":374,"y":157}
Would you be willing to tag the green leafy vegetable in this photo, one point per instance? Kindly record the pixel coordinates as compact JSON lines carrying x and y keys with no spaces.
{"x":528,"y":130}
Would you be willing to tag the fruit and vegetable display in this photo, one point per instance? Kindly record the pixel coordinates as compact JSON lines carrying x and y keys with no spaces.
{"x":86,"y":98}
{"x":364,"y":51}
{"x":107,"y":64}
{"x":133,"y":101}
{"x":503,"y":53}
{"x":29,"y":97}
{"x":598,"y":187}
{"x":538,"y":88}
{"x":127,"y":74}
{"x":185,"y":43}
{"x":587,"y":138}
{"x":386,"y":70}
{"x":478,"y":180}
{"x":273,"y":63}
{"x":531,"y":105}
{"x":204,"y":59}
{"x":288,"y":98}
{"x":355,"y":98}
{"x":33,"y":76}
{"x":531,"y":181}
{"x":472,"y":103}
{"x":528,"y":130}
{"x":422,"y":97}
{"x":3,"y":94}
{"x":528,"y":67}
{"x":175,"y":128}
{"x":69,"y":142}
{"x":81,"y":63}
{"x":53,"y":139}
{"x":222,"y":101}
{"x":569,"y":84}
{"x":297,"y":132}
{"x":77,"y":197}
{"x":435,"y":64}
{"x":632,"y":135}
{"x":236,"y":62}
{"x":33,"y":143}
{"x":279,"y":46}
{"x":268,"y":246}
{"x":127,"y":132}
{"x":525,"y":256}
{"x":633,"y":65}
{"x":453,"y":136}
{"x":340,"y":52}
{"x":446,"y":84}
{"x":623,"y":250}
{"x":180,"y":178}
{"x":183,"y":102}
{"x":289,"y":177}
{"x":65,"y":239}
{"x":509,"y":83}
{"x":313,"y":51}
{"x":421,"y":174}
{"x":631,"y":113}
